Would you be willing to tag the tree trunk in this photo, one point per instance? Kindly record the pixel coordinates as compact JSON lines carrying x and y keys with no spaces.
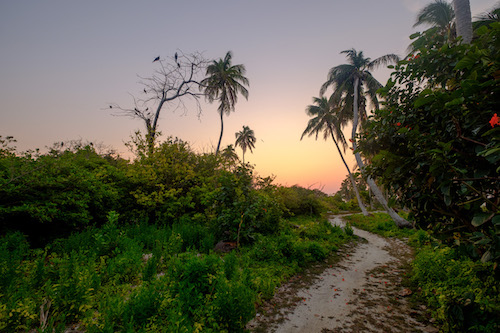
{"x":221,"y":131}
{"x":360,"y":203}
{"x":463,"y":19}
{"x":398,"y":220}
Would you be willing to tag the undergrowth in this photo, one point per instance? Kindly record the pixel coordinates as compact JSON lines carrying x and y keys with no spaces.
{"x":151,"y":278}
{"x":463,"y":294}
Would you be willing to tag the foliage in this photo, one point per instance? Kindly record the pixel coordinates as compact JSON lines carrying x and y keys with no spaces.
{"x":168,"y":182}
{"x":435,"y":146}
{"x":378,"y":223}
{"x":242,"y":211}
{"x":464,"y":294}
{"x":143,"y":277}
{"x":48,"y":195}
{"x":297,"y":200}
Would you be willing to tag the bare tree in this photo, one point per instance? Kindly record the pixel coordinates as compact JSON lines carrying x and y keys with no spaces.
{"x":176,"y":79}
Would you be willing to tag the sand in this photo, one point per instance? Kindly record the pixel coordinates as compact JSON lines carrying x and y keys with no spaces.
{"x":361,"y":293}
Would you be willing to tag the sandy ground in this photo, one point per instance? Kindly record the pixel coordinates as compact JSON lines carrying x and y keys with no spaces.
{"x":360,"y":293}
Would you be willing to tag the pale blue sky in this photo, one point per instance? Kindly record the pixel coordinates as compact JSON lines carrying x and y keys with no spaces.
{"x":62,"y":62}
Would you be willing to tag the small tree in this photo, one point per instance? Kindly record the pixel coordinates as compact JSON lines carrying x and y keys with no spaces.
{"x":245,"y":139}
{"x":223,"y":83}
{"x":176,"y":78}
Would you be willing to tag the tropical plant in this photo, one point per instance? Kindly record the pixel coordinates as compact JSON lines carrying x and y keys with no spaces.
{"x":439,"y":141}
{"x":440,"y":16}
{"x":246,"y":140}
{"x":326,"y":120}
{"x":353,"y":85}
{"x":223,"y":83}
{"x":229,"y":156}
{"x":487,"y":18}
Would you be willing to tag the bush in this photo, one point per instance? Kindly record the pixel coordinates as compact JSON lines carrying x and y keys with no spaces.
{"x":436,"y":142}
{"x":463,"y":293}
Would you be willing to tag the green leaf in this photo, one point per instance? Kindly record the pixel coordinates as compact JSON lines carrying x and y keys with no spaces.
{"x":482,"y":30}
{"x":488,"y":152}
{"x":496,"y":220}
{"x":456,"y":101}
{"x":486,"y":256}
{"x":480,"y":219}
{"x":423,"y":100}
{"x":415,"y":35}
{"x":465,"y":62}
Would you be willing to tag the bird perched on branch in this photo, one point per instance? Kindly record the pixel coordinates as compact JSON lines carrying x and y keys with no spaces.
{"x":157,"y":58}
{"x":176,"y":56}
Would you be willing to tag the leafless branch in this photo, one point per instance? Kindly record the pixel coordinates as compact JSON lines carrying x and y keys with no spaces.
{"x":177,"y":78}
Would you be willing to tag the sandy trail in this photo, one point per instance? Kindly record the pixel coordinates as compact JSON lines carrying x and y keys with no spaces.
{"x":361,"y":293}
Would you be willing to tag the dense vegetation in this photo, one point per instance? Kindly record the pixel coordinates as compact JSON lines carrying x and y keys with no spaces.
{"x":462,"y":293}
{"x":106,"y":244}
{"x":435,"y":143}
{"x":110,"y":245}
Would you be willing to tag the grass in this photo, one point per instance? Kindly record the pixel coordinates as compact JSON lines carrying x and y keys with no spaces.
{"x":378,"y":223}
{"x":151,"y":278}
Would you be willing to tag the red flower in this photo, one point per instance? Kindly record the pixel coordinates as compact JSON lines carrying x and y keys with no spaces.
{"x":494,"y":120}
{"x":398,"y":124}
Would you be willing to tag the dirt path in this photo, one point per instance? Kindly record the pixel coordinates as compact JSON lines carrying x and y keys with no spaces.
{"x":360,"y":293}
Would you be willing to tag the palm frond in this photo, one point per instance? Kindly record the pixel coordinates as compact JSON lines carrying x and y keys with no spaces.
{"x":436,"y":14}
{"x":384,"y":60}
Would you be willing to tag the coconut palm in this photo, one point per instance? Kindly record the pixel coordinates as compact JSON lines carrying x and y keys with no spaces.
{"x":463,"y":19}
{"x":224,"y":82}
{"x":325,"y":119}
{"x":487,"y":18}
{"x":440,"y":16}
{"x":229,"y":156}
{"x":246,"y":140}
{"x":353,"y":85}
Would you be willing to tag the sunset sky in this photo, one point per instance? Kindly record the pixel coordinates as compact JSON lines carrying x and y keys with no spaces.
{"x":63,"y":62}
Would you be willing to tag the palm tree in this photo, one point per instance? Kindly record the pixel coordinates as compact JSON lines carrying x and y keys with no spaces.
{"x":326,"y":119}
{"x":440,"y":16}
{"x":353,"y":85}
{"x":487,"y":18}
{"x":246,"y":140}
{"x":463,"y":19}
{"x":229,"y":156}
{"x":223,"y":83}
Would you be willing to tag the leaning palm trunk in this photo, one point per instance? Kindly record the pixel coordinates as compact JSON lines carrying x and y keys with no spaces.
{"x":353,"y":182}
{"x":398,"y":220}
{"x":463,"y":19}
{"x":221,"y":131}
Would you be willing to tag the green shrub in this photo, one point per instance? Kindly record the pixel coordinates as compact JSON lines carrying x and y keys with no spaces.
{"x":234,"y":305}
{"x":436,"y":143}
{"x":317,"y":251}
{"x":194,"y":236}
{"x":463,"y":293}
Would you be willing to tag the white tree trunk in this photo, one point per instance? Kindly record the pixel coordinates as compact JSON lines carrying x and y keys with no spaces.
{"x":463,"y":19}
{"x":398,"y":220}
{"x":353,"y":182}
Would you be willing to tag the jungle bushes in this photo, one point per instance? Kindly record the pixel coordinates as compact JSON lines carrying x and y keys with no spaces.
{"x":435,"y":144}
